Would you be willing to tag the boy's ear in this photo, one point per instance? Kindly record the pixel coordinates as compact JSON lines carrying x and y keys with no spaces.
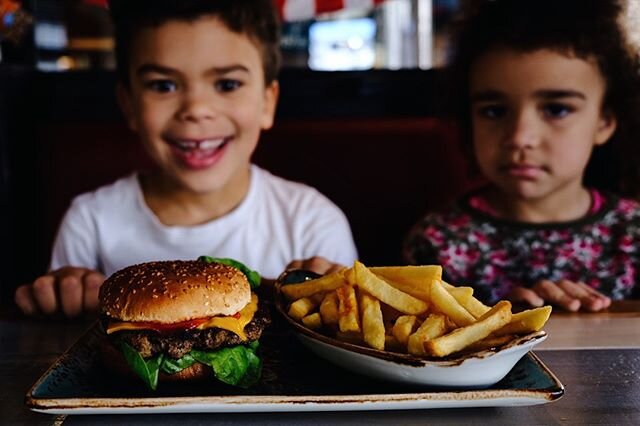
{"x":126,"y":105}
{"x":271,"y":94}
{"x":606,"y":127}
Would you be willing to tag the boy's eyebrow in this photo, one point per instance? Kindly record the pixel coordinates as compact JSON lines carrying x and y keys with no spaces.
{"x":160,"y":69}
{"x":548,"y":94}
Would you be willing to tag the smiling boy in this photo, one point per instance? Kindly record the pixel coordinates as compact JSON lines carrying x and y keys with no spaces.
{"x":197,"y":83}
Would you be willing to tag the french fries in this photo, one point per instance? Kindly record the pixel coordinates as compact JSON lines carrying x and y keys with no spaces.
{"x":406,"y":309}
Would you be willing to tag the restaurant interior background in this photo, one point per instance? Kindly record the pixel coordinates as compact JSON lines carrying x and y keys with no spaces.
{"x":360,"y":90}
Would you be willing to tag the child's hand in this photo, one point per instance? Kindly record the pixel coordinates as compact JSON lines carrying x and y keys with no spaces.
{"x":566,"y":294}
{"x":70,"y":291}
{"x":316,"y":264}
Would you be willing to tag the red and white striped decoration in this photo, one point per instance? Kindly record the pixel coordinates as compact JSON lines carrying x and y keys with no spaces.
{"x":297,"y":10}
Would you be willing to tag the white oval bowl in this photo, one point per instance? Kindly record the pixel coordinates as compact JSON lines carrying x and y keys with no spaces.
{"x":469,"y":370}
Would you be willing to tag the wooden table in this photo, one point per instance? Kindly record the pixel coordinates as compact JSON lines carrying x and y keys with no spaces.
{"x":596,"y":357}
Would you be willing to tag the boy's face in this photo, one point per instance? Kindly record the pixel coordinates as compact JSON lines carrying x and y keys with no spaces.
{"x":536,"y":118}
{"x":198,"y":101}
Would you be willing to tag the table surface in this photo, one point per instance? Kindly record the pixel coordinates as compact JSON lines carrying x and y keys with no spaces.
{"x":596,"y":357}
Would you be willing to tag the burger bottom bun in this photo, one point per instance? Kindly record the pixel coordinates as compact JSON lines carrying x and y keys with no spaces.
{"x":114,"y":360}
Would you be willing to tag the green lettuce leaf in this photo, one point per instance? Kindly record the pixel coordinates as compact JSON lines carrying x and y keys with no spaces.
{"x":238,"y":365}
{"x":173,"y":366}
{"x":252,"y":276}
{"x":147,"y":370}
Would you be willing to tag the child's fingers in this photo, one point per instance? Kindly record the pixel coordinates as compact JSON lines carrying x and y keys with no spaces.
{"x":25,"y":300}
{"x":525,"y":295}
{"x":595,"y":301}
{"x":552,"y":293}
{"x":44,"y":294}
{"x":71,"y":293}
{"x":91,"y":284}
{"x":590,"y":300}
{"x":316,"y":264}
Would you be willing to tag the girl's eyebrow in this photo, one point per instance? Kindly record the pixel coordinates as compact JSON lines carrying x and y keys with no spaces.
{"x":546,"y":94}
{"x":161,"y":69}
{"x":560,"y":93}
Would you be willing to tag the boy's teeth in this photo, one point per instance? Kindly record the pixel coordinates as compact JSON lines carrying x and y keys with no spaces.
{"x":211,"y":144}
{"x":207,"y":144}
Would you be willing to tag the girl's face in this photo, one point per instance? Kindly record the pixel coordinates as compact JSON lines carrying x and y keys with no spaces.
{"x":536,"y":117}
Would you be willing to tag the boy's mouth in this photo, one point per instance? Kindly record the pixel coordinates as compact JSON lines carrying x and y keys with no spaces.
{"x":198,"y":153}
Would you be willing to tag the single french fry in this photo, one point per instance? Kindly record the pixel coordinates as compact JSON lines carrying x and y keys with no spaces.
{"x":413,"y":280}
{"x":403,"y":327}
{"x":473,"y":305}
{"x":386,"y":293}
{"x":348,"y":319}
{"x":444,"y":302}
{"x":434,"y":326}
{"x":496,"y":318}
{"x":461,"y":294}
{"x":325,"y":283}
{"x":301,"y":308}
{"x":372,"y":325}
{"x":412,"y":275}
{"x":312,"y":321}
{"x":329,"y":309}
{"x":526,"y":322}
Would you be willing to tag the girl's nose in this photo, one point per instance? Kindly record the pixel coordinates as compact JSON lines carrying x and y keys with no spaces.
{"x":522,"y":131}
{"x":197,"y":107}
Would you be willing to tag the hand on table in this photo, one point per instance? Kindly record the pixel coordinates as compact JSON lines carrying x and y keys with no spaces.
{"x":566,"y":294}
{"x":316,"y":264}
{"x":69,"y":290}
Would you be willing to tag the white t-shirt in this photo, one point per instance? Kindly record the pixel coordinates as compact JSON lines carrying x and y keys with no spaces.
{"x":277,"y":222}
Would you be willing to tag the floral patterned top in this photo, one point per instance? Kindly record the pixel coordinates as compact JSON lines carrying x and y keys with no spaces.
{"x":494,"y":255}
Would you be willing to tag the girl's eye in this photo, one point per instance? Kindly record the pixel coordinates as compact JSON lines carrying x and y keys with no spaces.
{"x":228,"y":85}
{"x":162,"y":86}
{"x":492,"y":111}
{"x":554,"y":110}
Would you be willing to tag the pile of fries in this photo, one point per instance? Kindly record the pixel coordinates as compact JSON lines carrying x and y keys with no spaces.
{"x":406,"y":309}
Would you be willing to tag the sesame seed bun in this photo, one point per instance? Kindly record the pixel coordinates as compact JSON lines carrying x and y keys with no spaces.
{"x":174,"y":291}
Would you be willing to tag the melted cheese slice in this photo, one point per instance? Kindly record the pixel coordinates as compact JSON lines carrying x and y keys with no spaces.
{"x":233,"y":324}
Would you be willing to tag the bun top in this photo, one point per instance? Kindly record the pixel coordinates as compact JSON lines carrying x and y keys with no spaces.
{"x":174,"y":291}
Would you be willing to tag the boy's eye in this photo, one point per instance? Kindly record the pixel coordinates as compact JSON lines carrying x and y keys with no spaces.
{"x":492,"y":111}
{"x":162,"y":86}
{"x":228,"y":85}
{"x":555,"y":110}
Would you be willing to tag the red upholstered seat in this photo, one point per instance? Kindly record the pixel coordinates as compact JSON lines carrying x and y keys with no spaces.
{"x":384,"y":173}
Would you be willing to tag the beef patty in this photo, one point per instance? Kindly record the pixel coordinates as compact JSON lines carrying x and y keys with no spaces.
{"x":176,"y":345}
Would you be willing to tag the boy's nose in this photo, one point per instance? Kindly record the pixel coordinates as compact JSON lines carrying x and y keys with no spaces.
{"x":196,"y":108}
{"x":522,"y":131}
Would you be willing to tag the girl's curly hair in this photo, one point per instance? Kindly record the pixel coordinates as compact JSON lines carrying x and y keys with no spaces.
{"x":588,"y":29}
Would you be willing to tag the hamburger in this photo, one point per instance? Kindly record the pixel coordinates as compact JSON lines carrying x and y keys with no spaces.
{"x":184,"y":320}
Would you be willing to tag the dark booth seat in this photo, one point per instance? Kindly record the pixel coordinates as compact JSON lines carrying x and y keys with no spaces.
{"x":383,"y":172}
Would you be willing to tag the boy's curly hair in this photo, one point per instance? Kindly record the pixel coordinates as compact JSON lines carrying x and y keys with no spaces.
{"x":588,"y":29}
{"x":258,"y":19}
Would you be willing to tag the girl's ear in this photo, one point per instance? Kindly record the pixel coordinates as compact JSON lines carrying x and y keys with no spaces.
{"x":606,"y":127}
{"x":126,"y":105}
